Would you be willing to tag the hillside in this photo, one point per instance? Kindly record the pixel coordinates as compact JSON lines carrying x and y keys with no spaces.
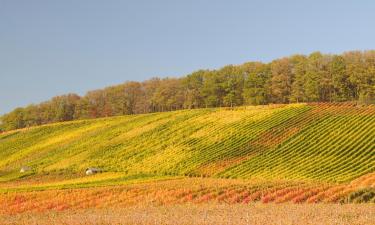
{"x":278,"y":153}
{"x":321,"y":142}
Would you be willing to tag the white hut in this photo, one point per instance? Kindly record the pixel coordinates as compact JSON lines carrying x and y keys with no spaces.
{"x":91,"y":171}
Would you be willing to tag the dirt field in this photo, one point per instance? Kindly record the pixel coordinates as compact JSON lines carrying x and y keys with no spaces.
{"x":254,"y":214}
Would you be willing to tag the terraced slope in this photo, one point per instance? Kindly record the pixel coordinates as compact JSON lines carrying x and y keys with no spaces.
{"x":321,"y":142}
{"x":337,"y":145}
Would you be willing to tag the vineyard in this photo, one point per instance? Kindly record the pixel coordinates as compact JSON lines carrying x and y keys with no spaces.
{"x":299,"y":153}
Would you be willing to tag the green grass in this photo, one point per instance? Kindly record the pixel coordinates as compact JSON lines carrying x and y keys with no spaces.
{"x":99,"y":180}
{"x":325,"y":142}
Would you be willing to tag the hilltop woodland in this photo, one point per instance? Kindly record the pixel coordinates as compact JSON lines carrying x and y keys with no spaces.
{"x":314,"y":78}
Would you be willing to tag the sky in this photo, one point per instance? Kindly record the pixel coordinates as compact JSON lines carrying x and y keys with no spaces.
{"x":53,"y":47}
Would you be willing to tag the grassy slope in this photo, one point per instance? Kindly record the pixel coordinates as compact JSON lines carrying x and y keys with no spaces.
{"x":322,"y":142}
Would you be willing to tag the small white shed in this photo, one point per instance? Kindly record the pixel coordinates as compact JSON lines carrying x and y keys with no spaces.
{"x":91,"y":171}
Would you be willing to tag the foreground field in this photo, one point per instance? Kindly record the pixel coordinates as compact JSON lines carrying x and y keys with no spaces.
{"x":111,"y":191}
{"x":220,"y":214}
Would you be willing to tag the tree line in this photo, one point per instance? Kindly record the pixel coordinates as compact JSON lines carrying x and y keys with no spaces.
{"x":299,"y":78}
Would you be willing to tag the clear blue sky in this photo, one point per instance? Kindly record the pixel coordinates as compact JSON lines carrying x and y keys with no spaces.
{"x":53,"y":47}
